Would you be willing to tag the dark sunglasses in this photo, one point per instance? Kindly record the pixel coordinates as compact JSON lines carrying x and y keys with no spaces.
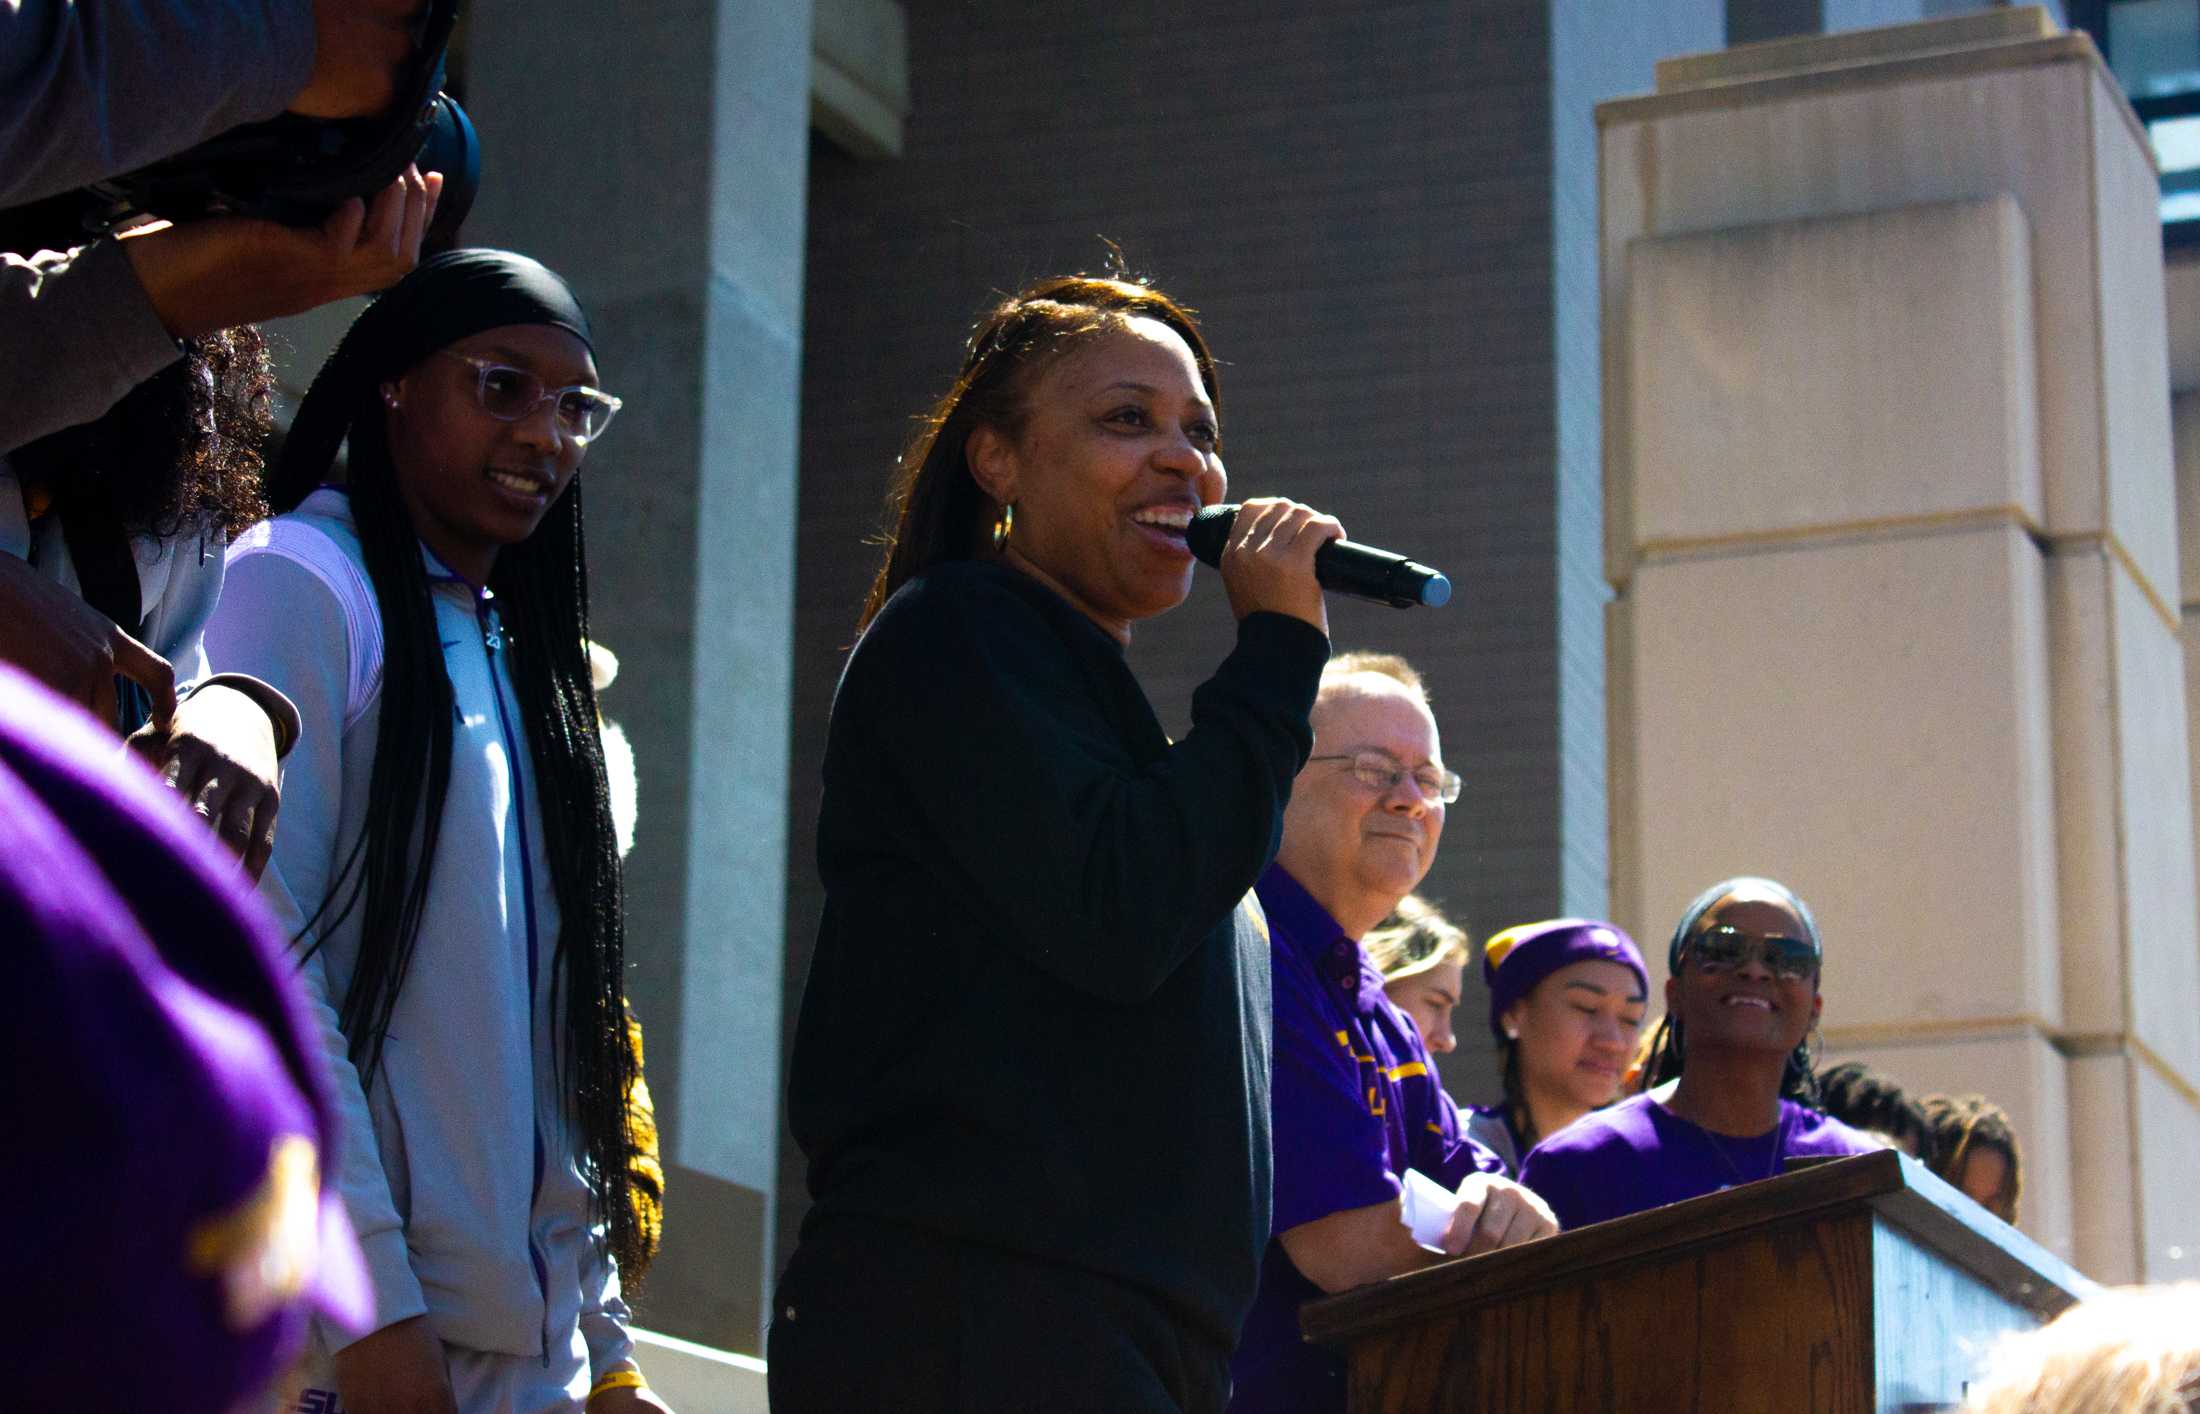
{"x":1724,"y":947}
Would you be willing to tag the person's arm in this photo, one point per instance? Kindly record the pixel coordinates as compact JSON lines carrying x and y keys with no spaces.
{"x":615,"y":1382}
{"x":1102,"y":871}
{"x":50,"y":633}
{"x":79,"y":329}
{"x":91,"y":89}
{"x":604,"y":1314}
{"x":76,"y":333}
{"x":624,"y":1391}
{"x":221,"y":749}
{"x":1337,"y":1206}
{"x":95,"y":88}
{"x":1359,"y":1245}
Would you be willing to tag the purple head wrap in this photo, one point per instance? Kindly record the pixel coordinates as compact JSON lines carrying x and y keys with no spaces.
{"x":1518,"y":958}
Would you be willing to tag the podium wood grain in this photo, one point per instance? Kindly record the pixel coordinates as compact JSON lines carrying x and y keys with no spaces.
{"x":1859,"y":1285}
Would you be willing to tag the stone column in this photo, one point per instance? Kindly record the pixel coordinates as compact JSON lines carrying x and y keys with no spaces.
{"x":657,"y":156}
{"x":1890,"y":520}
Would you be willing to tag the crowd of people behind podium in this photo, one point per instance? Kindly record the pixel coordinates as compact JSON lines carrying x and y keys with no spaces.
{"x":1118,"y":1047}
{"x":1574,"y":1043}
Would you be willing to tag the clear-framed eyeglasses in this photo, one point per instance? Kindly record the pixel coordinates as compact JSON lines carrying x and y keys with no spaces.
{"x":509,"y":394}
{"x":1379,"y":770}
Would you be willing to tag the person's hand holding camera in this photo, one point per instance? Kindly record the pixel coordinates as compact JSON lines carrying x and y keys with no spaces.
{"x":360,"y":49}
{"x":229,"y":270}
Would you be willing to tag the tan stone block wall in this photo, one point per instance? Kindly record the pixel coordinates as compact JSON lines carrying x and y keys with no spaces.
{"x":1960,"y":127}
{"x":2103,"y":1165}
{"x":1809,"y":361}
{"x":1967,"y":745}
{"x":2162,"y":920}
{"x":2168,"y":1110}
{"x":2090,"y":932}
{"x":2139,"y":469}
{"x":1867,"y":721}
{"x":2129,"y":921}
{"x":2135,"y":1148}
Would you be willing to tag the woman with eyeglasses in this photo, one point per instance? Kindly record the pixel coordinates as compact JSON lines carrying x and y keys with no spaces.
{"x":1730,"y":1070}
{"x":1030,"y":1072}
{"x":1566,"y":1000}
{"x":447,"y":864}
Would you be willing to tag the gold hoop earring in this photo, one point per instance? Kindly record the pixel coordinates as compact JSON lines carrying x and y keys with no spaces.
{"x":1004,"y":524}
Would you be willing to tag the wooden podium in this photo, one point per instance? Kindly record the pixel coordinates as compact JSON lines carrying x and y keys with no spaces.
{"x":1860,"y":1284}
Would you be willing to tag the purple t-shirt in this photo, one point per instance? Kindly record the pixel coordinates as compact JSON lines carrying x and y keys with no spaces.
{"x":1638,"y":1155}
{"x":1356,"y":1102}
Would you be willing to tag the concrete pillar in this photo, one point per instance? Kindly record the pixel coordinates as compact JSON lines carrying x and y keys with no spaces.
{"x":657,"y":156}
{"x":2182,"y":281}
{"x":1891,"y":525}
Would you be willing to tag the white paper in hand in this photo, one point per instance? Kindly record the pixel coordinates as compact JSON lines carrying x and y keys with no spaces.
{"x":1426,"y":1207}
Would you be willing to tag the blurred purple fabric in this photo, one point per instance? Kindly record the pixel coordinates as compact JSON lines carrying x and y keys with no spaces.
{"x":166,"y":1110}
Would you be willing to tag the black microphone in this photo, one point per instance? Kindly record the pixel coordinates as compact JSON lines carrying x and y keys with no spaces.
{"x":1341,"y":567}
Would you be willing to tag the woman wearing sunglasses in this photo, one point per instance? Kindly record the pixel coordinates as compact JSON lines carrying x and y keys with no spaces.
{"x":447,"y":864}
{"x":1729,"y":1070}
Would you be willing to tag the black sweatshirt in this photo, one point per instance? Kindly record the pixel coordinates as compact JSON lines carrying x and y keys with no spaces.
{"x":1037,"y":1016}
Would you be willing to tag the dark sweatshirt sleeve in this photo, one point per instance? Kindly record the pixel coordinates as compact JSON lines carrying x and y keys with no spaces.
{"x":96,"y":88}
{"x":1103,"y":871}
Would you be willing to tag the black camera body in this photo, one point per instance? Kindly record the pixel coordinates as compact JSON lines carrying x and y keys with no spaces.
{"x":289,"y":169}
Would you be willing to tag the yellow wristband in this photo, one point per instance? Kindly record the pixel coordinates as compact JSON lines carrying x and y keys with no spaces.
{"x":619,"y":1379}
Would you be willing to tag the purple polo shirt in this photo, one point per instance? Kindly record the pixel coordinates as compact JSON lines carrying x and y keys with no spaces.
{"x":1639,"y":1155}
{"x":1356,"y":1103}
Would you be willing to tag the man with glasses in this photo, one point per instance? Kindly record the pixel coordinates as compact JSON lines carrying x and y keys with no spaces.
{"x":1357,"y":1103}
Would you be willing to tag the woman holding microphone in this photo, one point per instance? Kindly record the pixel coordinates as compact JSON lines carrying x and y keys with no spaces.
{"x":1030,"y":1073}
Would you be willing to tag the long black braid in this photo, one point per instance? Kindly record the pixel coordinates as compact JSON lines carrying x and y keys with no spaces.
{"x":1518,"y":1117}
{"x":542,"y":584}
{"x":386,"y":874}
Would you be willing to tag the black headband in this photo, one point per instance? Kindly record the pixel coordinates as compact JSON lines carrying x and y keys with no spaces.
{"x":445,"y":299}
